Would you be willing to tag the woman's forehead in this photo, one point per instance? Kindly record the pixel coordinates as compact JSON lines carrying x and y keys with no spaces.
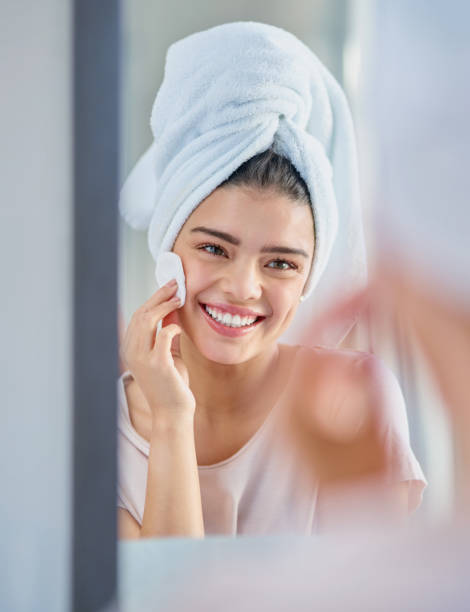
{"x":254,"y":215}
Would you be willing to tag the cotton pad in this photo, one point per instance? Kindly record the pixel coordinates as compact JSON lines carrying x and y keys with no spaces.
{"x":169,"y":266}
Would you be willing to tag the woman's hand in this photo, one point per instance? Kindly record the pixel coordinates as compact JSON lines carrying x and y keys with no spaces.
{"x":334,"y":416}
{"x":157,"y":367}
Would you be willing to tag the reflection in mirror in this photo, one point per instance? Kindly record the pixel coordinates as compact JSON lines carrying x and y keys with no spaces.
{"x":289,"y":394}
{"x":232,"y":421}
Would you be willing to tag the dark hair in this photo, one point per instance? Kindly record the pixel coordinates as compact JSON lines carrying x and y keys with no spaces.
{"x":271,"y":170}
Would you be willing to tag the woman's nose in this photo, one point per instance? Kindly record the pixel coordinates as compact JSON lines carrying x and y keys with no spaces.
{"x":242,"y":281}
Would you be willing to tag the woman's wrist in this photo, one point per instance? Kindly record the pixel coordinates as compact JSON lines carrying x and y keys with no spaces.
{"x":167,"y":423}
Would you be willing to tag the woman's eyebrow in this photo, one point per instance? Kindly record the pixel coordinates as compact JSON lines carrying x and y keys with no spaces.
{"x":236,"y":241}
{"x":283,"y":249}
{"x":218,"y":234}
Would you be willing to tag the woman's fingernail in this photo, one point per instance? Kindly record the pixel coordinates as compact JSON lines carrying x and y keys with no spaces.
{"x":170,"y":283}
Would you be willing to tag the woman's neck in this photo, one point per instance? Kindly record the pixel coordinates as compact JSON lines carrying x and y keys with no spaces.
{"x":223,"y":391}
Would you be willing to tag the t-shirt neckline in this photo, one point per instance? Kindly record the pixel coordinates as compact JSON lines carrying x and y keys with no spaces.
{"x":144,"y":446}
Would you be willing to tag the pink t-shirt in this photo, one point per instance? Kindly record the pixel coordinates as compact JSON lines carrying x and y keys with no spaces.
{"x":261,"y":489}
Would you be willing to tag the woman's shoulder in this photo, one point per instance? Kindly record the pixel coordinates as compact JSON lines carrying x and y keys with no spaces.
{"x":317,"y":356}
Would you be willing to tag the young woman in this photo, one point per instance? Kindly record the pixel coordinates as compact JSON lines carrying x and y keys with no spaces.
{"x":202,"y":444}
{"x":195,"y":418}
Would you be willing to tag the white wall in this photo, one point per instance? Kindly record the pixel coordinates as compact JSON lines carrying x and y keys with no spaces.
{"x":36,"y":309}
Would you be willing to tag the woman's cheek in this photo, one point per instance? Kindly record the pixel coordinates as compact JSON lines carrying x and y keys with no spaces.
{"x":287,"y":307}
{"x":197,"y":281}
{"x":197,"y":276}
{"x":279,"y":309}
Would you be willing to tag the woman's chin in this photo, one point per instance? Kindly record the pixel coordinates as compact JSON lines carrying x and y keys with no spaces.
{"x":227,"y":355}
{"x":221,"y":348}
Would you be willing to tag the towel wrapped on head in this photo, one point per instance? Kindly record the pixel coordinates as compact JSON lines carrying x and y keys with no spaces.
{"x":229,"y":93}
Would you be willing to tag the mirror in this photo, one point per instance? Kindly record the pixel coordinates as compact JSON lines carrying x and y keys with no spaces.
{"x":378,"y":362}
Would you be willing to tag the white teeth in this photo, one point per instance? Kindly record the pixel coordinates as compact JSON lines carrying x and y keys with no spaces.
{"x":229,"y":320}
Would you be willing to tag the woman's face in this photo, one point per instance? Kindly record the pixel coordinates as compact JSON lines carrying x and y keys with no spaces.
{"x":245,"y":252}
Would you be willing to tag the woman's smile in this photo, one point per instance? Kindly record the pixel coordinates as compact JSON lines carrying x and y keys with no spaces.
{"x":227,"y":324}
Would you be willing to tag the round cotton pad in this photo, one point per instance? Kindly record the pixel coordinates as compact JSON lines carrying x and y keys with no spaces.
{"x":169,"y":266}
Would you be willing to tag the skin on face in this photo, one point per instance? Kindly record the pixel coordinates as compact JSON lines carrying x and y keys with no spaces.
{"x":217,"y":271}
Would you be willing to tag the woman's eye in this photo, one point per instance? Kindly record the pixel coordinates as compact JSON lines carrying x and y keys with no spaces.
{"x":286,"y":265}
{"x":216,"y":250}
{"x":215,"y":247}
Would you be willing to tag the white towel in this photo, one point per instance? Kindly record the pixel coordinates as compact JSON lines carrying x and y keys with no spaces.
{"x":229,"y":93}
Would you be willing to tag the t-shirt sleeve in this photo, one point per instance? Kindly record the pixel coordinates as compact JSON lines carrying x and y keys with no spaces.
{"x":402,"y":465}
{"x":120,"y":502}
{"x":132,"y":461}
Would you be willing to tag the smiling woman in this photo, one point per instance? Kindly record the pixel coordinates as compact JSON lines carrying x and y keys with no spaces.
{"x":259,"y":265}
{"x":242,"y":294}
{"x":207,"y":444}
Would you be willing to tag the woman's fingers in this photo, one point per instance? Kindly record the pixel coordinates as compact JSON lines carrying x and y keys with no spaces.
{"x":148,"y":356}
{"x":140,"y":335}
{"x":355,"y":305}
{"x":160,"y":295}
{"x":148,"y":322}
{"x":162,"y":349}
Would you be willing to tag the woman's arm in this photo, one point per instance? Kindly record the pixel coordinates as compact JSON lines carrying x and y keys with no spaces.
{"x":399,"y":498}
{"x":355,"y":434}
{"x":173,"y":501}
{"x":128,"y":527}
{"x":173,"y":498}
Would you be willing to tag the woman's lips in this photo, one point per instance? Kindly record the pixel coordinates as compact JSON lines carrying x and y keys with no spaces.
{"x":224,"y":330}
{"x":234,"y":310}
